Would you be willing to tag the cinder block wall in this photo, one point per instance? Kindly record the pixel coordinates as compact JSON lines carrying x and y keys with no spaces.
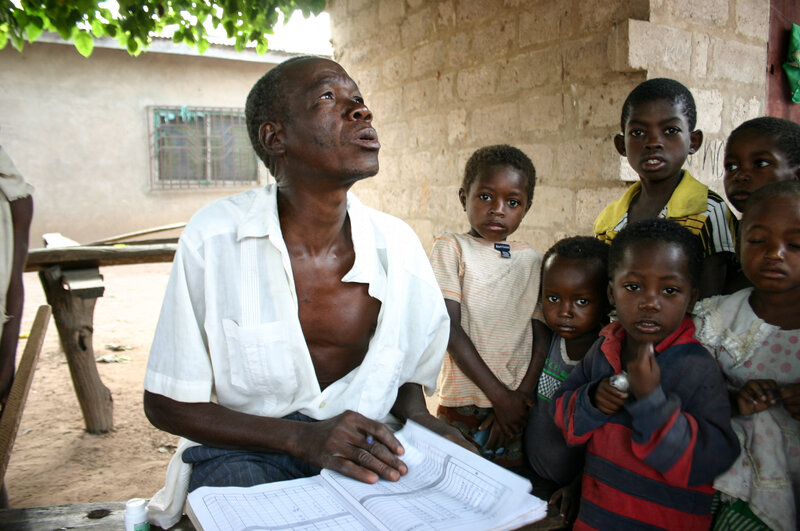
{"x":444,"y":77}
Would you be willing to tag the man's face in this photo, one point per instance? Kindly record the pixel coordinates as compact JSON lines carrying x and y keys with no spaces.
{"x":328,"y":132}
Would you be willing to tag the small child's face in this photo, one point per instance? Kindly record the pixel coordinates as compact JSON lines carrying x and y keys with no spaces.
{"x":770,"y":245}
{"x":752,"y":160}
{"x":657,"y":140}
{"x":652,"y":291}
{"x":496,"y":202}
{"x":573,"y":296}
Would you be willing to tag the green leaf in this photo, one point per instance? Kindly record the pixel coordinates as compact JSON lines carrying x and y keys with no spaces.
{"x":33,"y":31}
{"x":98,"y":28}
{"x":202,"y":45}
{"x":3,"y":39}
{"x":84,"y":43}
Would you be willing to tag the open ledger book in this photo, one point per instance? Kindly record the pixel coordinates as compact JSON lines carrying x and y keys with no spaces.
{"x":446,"y":487}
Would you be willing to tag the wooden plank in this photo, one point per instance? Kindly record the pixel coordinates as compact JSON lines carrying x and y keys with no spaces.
{"x":100,"y":255}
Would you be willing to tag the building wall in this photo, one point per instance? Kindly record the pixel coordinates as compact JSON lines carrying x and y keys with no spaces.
{"x":78,"y":131}
{"x":444,"y":77}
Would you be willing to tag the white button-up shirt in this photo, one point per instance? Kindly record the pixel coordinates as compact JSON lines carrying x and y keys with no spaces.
{"x":229,"y":330}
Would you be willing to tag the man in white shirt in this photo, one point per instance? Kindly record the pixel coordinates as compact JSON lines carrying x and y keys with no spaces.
{"x":297,"y":319}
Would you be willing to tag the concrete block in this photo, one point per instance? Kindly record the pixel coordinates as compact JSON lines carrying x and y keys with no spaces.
{"x":600,"y":105}
{"x":496,"y":124}
{"x":704,"y":13}
{"x":395,"y":135}
{"x":591,"y":201}
{"x":456,"y":126}
{"x":586,"y":159}
{"x":426,"y":59}
{"x":414,"y":4}
{"x":543,"y":22}
{"x":368,"y":80}
{"x":472,"y":11}
{"x":586,"y":58}
{"x":542,"y":157}
{"x":528,"y":232}
{"x":386,"y":104}
{"x":707,"y":164}
{"x":672,"y":52}
{"x":752,"y":18}
{"x":541,"y":113}
{"x":709,"y":110}
{"x":428,"y":131}
{"x":419,"y":96}
{"x":416,"y":28}
{"x":552,"y":206}
{"x":700,"y":46}
{"x":446,"y":87}
{"x":494,"y":39}
{"x":395,"y":69}
{"x":458,"y":50}
{"x":445,"y":14}
{"x":596,"y":15}
{"x":390,"y":10}
{"x":531,"y":69}
{"x":743,"y":109}
{"x":476,"y":82}
{"x":736,"y":61}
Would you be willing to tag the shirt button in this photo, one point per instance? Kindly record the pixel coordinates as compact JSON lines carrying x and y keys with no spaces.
{"x":321,"y":405}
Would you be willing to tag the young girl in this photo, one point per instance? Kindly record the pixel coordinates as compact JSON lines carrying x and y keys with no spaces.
{"x":575,"y":307}
{"x":490,"y":288}
{"x":755,"y":336}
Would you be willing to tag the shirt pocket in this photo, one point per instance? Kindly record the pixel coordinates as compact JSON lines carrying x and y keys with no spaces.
{"x":261,"y":360}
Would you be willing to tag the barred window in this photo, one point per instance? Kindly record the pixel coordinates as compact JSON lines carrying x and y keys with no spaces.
{"x":201,"y":147}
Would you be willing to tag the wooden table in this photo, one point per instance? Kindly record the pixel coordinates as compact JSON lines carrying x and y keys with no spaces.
{"x":72,"y":283}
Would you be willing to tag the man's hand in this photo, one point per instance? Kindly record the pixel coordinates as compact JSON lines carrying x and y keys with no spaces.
{"x":510,"y":417}
{"x":790,"y":395}
{"x":644,"y":374}
{"x":756,"y":395}
{"x":354,"y":445}
{"x":607,"y":398}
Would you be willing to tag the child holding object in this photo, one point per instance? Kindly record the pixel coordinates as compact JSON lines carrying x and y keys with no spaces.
{"x":575,"y":307}
{"x":755,"y":336}
{"x":490,"y":287}
{"x":652,"y":450}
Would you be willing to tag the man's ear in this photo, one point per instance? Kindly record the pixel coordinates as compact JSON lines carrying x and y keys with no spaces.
{"x":619,"y":143}
{"x":695,"y":141}
{"x":270,"y":135}
{"x":462,"y":196}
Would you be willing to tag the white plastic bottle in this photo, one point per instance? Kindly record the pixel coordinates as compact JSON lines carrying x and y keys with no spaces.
{"x":136,"y":515}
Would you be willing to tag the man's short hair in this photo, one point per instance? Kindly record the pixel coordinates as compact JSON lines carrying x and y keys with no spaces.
{"x":267,"y":102}
{"x":500,"y":154}
{"x":658,"y":230}
{"x":785,"y":134}
{"x":790,"y":189}
{"x":660,"y":88}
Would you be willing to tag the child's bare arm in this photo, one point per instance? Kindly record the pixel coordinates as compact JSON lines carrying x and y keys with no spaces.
{"x":541,"y":344}
{"x":510,"y":406}
{"x":755,"y":396}
{"x":790,"y":394}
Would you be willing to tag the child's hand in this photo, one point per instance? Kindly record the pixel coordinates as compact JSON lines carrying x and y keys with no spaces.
{"x":569,"y":496}
{"x":511,"y":413}
{"x":607,"y":398}
{"x":644,"y":374}
{"x":497,"y":439}
{"x":790,"y":394}
{"x":756,"y":395}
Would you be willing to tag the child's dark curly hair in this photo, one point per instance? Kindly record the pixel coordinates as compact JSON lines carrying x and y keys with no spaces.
{"x":660,"y":88}
{"x":501,"y":154}
{"x":658,"y":230}
{"x":581,"y":247}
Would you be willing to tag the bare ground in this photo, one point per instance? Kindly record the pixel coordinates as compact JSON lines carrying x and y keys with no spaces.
{"x":54,"y":460}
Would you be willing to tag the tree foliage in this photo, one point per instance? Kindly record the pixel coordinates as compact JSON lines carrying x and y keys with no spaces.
{"x":136,"y":22}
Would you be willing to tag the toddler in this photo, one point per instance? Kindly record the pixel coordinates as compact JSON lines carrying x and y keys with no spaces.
{"x":490,"y":287}
{"x":658,"y":134}
{"x":654,"y":444}
{"x":755,"y":336}
{"x":575,"y":305}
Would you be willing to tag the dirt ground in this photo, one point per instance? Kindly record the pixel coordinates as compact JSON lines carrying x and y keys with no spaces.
{"x":54,"y":461}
